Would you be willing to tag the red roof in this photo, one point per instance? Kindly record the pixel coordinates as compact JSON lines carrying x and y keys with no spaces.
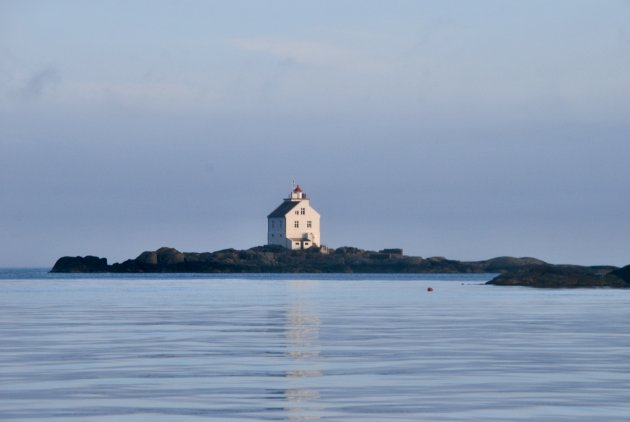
{"x":297,"y":189}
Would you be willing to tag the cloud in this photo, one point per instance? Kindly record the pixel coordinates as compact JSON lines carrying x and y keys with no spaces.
{"x":153,"y":95}
{"x":309,"y":53}
{"x":110,"y":92}
{"x":320,"y":75}
{"x":303,"y":52}
{"x":39,"y":82}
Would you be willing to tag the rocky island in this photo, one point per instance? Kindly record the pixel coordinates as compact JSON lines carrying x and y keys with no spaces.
{"x":276,"y":259}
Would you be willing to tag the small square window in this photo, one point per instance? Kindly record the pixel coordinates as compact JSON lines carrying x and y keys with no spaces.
{"x":309,"y":224}
{"x":296,"y":224}
{"x":303,"y":211}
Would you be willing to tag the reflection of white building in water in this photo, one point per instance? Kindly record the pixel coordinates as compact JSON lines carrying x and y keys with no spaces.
{"x":294,"y":224}
{"x":303,"y":347}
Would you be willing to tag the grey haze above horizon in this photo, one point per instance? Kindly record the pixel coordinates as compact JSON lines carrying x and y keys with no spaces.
{"x":460,"y":129}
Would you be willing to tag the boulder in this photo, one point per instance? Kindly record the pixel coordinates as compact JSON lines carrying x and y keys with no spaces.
{"x":147,"y":258}
{"x":504,"y":264}
{"x":169,"y":256}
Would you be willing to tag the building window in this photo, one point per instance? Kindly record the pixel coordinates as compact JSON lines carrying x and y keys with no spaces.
{"x":297,"y":243}
{"x":297,"y":212}
{"x":309,"y":224}
{"x":302,"y":211}
{"x":296,"y":224}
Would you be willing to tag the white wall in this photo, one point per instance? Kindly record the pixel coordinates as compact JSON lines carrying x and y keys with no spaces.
{"x":309,"y":215}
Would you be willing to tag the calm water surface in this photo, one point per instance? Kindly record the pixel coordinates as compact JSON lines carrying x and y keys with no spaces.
{"x":339,"y":348}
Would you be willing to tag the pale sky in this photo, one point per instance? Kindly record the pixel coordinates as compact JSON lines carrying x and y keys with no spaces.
{"x":465,"y":129}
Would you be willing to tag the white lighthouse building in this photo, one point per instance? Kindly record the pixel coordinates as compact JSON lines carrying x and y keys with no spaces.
{"x":294,"y":224}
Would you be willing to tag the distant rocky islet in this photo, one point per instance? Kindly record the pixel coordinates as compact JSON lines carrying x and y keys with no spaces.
{"x":294,"y":246}
{"x":276,"y":259}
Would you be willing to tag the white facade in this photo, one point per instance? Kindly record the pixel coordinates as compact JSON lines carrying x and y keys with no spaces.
{"x":294,"y":224}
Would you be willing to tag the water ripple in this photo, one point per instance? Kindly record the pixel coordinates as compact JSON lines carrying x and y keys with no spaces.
{"x":306,"y":349}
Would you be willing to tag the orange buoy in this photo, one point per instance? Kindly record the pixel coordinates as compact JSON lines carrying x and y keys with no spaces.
{"x":429,"y":289}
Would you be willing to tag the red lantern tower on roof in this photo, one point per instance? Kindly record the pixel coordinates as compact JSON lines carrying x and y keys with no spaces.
{"x":297,"y":193}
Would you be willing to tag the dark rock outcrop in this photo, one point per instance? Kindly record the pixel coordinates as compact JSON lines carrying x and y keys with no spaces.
{"x":622,"y":273}
{"x":77,"y":264}
{"x":275,"y":259}
{"x":560,"y":276}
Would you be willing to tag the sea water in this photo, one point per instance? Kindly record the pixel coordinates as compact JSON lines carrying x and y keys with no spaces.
{"x":316,"y":347}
